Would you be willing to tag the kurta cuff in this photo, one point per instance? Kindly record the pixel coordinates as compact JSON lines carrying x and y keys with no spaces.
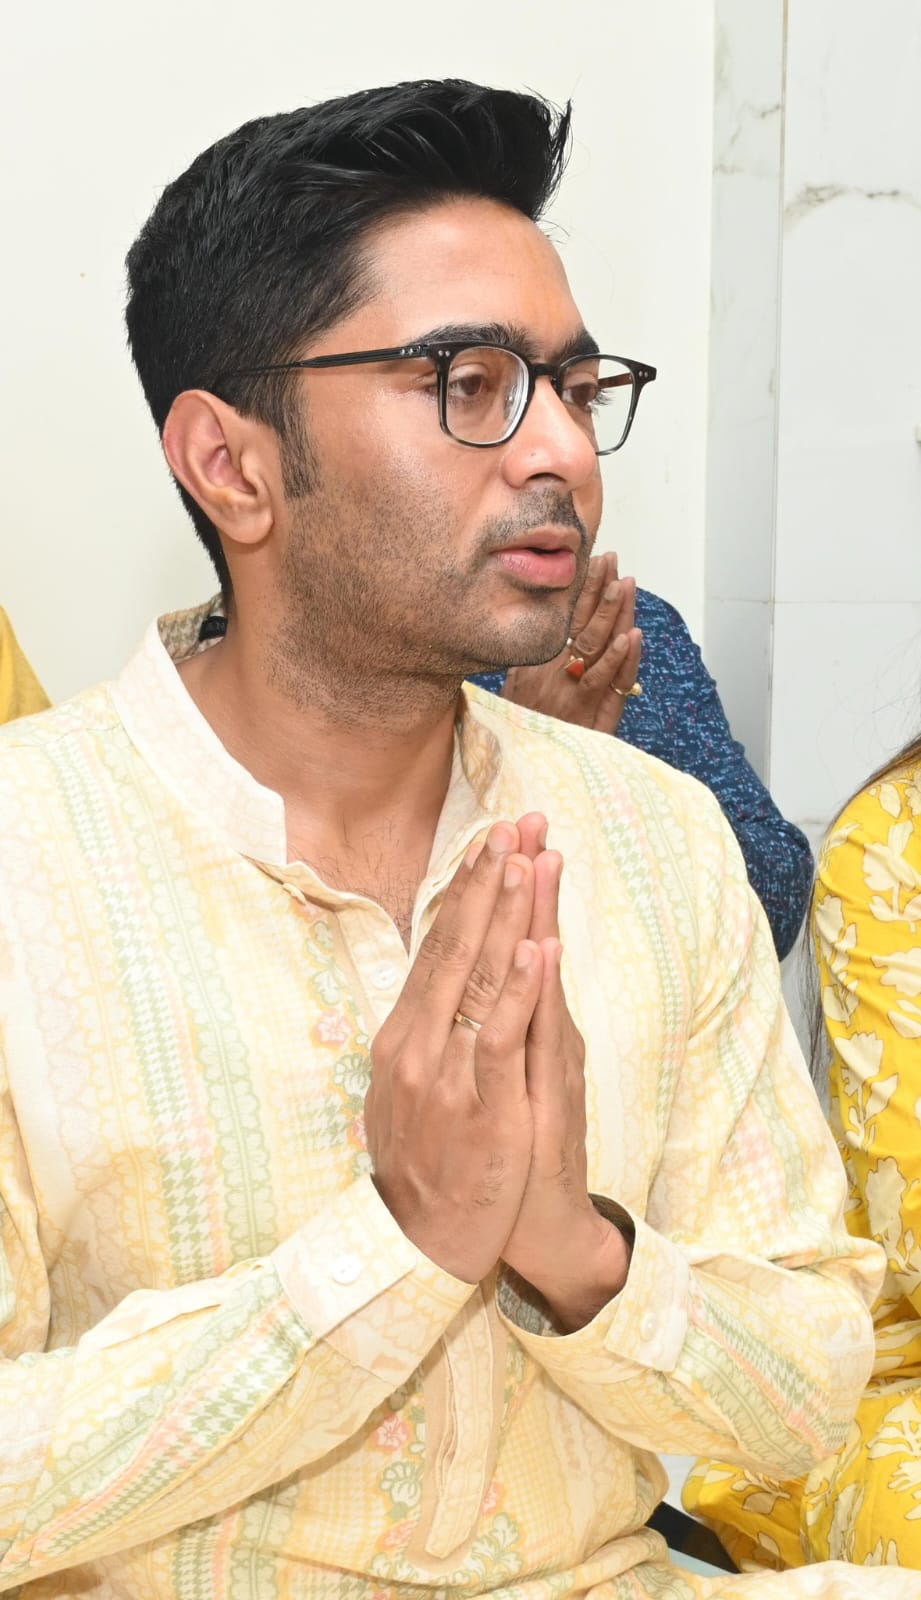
{"x":645,"y":1324}
{"x":337,"y":1271}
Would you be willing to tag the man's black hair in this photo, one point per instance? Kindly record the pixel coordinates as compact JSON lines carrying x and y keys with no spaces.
{"x":257,"y":247}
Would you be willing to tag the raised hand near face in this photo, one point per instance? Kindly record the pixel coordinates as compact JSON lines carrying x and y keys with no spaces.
{"x":605,"y":639}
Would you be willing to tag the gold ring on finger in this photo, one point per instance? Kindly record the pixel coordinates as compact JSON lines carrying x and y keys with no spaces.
{"x":628,"y":694}
{"x":467,"y":1022}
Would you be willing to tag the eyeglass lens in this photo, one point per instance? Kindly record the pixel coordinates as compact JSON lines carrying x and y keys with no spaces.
{"x":487,"y":390}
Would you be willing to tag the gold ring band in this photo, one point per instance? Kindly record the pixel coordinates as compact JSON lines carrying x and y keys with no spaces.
{"x":628,"y":694}
{"x":467,"y":1022}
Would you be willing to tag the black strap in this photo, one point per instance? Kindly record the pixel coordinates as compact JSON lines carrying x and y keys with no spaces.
{"x":682,"y":1533}
{"x":213,"y":627}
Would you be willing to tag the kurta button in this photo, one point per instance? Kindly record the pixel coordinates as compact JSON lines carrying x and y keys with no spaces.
{"x":384,"y":977}
{"x":345,"y":1269}
{"x":647,"y":1325}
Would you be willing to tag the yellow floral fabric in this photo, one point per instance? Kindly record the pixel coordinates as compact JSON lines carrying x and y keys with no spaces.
{"x":227,"y":1373}
{"x":863,"y":1505}
{"x":20,"y":691}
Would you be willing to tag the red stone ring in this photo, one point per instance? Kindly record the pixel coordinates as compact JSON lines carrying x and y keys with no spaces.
{"x":575,"y":666}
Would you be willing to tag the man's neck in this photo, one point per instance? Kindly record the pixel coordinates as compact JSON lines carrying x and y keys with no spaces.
{"x":363,"y":768}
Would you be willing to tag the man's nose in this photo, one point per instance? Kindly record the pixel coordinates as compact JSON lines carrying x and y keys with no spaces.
{"x":550,"y":441}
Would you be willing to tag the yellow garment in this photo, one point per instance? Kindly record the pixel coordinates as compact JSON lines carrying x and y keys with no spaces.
{"x":20,"y":691}
{"x":864,"y":1505}
{"x":253,"y":1385}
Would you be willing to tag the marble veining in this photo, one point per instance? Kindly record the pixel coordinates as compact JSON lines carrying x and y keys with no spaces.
{"x":822,"y":194}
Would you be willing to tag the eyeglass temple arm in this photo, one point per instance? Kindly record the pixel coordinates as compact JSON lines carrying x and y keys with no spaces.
{"x":345,"y":358}
{"x":643,"y":375}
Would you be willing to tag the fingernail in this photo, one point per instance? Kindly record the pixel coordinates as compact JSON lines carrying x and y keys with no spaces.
{"x":612,"y":590}
{"x":524,"y":955}
{"x":513,"y":875}
{"x":500,"y":839}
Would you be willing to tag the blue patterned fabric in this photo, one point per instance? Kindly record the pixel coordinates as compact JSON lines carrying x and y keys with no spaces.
{"x":680,"y":718}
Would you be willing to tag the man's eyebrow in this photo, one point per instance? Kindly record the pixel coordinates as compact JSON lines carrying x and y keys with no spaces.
{"x":510,"y":336}
{"x":580,"y":344}
{"x":505,"y":334}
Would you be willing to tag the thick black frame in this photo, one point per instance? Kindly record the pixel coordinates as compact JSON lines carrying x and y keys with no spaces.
{"x":443,"y":353}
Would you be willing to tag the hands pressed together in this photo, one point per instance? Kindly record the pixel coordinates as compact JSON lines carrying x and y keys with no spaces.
{"x":477,"y":1135}
{"x":605,"y":637}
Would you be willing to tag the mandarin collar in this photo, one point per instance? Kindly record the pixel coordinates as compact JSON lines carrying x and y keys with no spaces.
{"x":179,"y":744}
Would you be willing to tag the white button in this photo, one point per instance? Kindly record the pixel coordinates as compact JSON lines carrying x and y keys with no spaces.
{"x":345,"y":1269}
{"x":384,"y":977}
{"x":647,"y":1325}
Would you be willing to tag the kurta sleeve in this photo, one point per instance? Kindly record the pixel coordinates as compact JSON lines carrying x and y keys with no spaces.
{"x":743,"y":1329}
{"x":180,"y":1403}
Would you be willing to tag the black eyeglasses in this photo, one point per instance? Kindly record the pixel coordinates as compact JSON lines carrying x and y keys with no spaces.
{"x":484,"y":390}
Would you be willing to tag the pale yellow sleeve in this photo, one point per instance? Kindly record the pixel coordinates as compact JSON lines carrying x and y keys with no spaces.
{"x":180,"y":1404}
{"x":743,"y":1330}
{"x":20,"y":691}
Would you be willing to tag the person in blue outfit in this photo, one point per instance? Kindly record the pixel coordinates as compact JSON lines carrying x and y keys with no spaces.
{"x":674,"y":713}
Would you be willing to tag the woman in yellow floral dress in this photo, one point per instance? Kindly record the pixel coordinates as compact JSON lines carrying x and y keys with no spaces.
{"x":863,"y":1505}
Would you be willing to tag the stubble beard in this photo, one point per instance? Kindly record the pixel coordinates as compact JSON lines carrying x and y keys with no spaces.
{"x":379,"y":639}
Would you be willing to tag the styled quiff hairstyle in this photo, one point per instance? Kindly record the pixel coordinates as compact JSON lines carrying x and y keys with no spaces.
{"x":258,"y":247}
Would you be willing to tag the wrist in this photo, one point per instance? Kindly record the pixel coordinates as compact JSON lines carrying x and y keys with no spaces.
{"x":618,"y":1218}
{"x":597,"y":1261}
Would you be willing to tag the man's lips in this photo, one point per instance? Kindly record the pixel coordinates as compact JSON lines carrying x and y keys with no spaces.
{"x":544,"y":558}
{"x":548,"y":569}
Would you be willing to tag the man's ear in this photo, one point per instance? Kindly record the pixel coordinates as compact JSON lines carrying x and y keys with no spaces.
{"x":225,"y":462}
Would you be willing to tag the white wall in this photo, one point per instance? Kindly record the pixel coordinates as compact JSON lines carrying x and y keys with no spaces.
{"x":742,"y":424}
{"x":847,"y":644}
{"x":102,"y":103}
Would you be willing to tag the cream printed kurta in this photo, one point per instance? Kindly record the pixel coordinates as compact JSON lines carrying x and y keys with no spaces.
{"x":228,"y":1372}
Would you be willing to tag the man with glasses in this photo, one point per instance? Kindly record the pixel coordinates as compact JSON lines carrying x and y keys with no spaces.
{"x":402,"y":1135}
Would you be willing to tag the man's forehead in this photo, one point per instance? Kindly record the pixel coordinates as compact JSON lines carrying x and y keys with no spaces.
{"x":473,"y":264}
{"x":461,"y":222}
